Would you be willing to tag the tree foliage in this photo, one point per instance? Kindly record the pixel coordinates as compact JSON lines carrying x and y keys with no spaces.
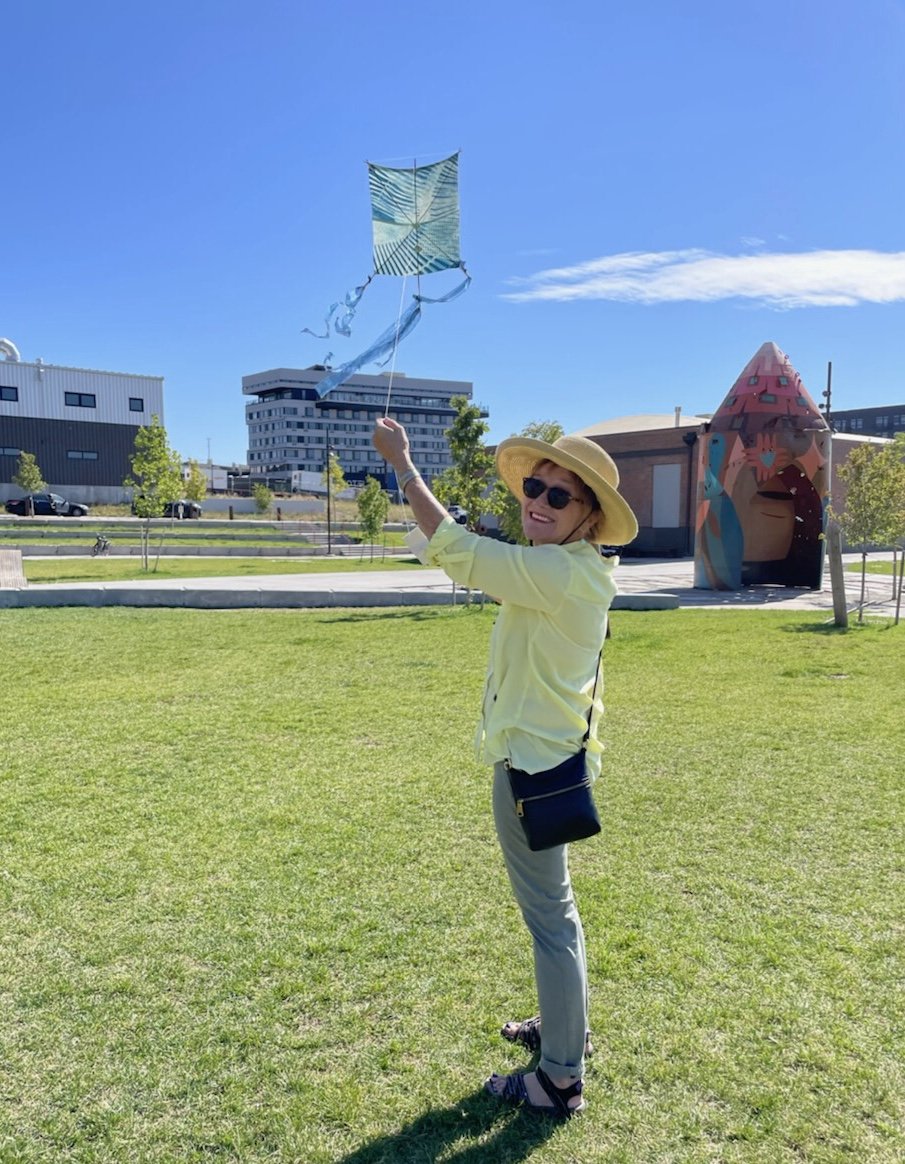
{"x":466,"y":481}
{"x":333,"y":475}
{"x":155,"y":481}
{"x":28,"y":475}
{"x":505,"y":504}
{"x":196,"y":483}
{"x":373,"y":507}
{"x":263,"y":497}
{"x":874,"y":510}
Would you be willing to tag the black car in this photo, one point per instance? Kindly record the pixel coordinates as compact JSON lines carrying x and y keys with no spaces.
{"x":182,"y":509}
{"x":47,"y":505}
{"x":178,"y":509}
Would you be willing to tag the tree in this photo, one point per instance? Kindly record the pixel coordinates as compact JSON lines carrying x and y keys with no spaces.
{"x":373,"y":507}
{"x":263,"y":497}
{"x":336,"y":481}
{"x":28,"y":478}
{"x":155,"y":481}
{"x":196,"y":483}
{"x":466,"y":481}
{"x":875,"y":497}
{"x":505,"y":504}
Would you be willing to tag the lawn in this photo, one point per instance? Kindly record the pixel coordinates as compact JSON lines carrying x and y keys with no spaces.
{"x":45,"y":570}
{"x":254,"y":910}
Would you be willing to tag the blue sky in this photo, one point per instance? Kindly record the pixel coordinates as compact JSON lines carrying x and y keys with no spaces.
{"x":649,"y":192}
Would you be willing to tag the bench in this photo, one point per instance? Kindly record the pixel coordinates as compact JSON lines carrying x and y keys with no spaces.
{"x":12,"y":576}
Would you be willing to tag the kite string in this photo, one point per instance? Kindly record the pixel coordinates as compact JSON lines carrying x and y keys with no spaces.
{"x":386,"y":410}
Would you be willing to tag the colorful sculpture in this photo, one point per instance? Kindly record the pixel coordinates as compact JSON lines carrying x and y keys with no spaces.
{"x":763,"y":482}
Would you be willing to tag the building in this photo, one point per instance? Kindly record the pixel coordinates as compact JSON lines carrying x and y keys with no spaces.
{"x":80,"y":424}
{"x":656,"y":455}
{"x":881,"y":421}
{"x":290,"y":426}
{"x":657,"y":458}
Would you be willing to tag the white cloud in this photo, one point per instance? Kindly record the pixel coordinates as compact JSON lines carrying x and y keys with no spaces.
{"x":811,"y":279}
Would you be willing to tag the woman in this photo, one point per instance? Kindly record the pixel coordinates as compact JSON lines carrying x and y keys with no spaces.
{"x":541,"y":682}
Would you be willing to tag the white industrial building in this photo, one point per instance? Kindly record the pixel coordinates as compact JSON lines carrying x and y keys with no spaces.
{"x":290,"y":426}
{"x":79,"y":423}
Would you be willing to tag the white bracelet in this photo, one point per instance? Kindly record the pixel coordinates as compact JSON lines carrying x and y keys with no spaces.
{"x":406,"y":479}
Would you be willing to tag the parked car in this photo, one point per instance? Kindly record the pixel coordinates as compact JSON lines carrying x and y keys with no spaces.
{"x":457,"y":513}
{"x":182,"y":509}
{"x":47,"y":505}
{"x":179,"y":509}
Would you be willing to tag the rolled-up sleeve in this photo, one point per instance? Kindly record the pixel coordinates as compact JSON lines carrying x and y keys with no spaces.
{"x":500,"y":569}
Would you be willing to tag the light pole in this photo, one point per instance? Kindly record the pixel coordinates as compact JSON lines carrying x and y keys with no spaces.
{"x":329,"y":491}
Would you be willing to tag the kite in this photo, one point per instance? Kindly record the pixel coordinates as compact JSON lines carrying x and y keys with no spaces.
{"x":415,"y":221}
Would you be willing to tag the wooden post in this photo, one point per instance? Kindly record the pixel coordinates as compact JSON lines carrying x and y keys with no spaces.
{"x":837,"y":574}
{"x":230,"y":513}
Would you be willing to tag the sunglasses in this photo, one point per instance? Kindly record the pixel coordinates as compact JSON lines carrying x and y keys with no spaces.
{"x":557,"y":497}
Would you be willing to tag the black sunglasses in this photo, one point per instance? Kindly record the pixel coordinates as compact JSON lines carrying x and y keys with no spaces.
{"x":557,"y":497}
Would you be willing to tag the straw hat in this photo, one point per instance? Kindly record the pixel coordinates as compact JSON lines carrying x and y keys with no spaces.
{"x":517,"y":457}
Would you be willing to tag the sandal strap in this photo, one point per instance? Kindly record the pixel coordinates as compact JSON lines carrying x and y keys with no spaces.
{"x":527,"y":1033}
{"x":559,"y":1096}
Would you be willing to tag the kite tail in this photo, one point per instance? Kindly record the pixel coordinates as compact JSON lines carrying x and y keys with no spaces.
{"x":381,"y":351}
{"x":343,"y":325}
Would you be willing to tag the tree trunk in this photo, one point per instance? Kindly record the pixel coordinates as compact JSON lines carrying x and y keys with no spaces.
{"x":863,"y":585}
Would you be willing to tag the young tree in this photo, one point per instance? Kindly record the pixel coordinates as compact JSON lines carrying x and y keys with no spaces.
{"x":155,"y":481}
{"x":467,"y":480}
{"x":336,"y":481}
{"x":28,"y":478}
{"x":503,"y":503}
{"x":373,"y":507}
{"x":263,"y":497}
{"x":196,"y":483}
{"x":872,"y":513}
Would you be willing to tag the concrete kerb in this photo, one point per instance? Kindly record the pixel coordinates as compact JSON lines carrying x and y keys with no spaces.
{"x":258,"y":598}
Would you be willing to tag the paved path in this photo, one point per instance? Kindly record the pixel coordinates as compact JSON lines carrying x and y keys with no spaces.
{"x":643,"y":583}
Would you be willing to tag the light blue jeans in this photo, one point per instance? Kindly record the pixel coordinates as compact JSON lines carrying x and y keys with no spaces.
{"x":543,"y":890}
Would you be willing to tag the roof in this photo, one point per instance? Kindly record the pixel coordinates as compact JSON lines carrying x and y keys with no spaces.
{"x":641,"y":422}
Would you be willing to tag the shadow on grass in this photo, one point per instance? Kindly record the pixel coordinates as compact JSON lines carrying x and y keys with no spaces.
{"x":515,"y":1135}
{"x":871,"y":622}
{"x":414,"y":613}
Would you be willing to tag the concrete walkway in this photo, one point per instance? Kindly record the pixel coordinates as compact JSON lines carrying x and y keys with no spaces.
{"x":644,"y":584}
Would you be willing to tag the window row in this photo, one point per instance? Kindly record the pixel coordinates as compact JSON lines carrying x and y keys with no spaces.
{"x":76,"y":399}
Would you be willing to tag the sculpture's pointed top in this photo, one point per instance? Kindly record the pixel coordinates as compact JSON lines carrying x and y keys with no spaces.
{"x":768,"y":387}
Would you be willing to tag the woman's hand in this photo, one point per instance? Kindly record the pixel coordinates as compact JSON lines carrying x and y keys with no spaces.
{"x":391,"y":440}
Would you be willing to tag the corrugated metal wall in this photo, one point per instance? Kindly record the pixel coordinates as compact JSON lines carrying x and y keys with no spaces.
{"x":42,"y":392}
{"x":51,"y":441}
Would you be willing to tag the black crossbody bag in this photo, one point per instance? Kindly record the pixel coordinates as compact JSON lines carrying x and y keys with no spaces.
{"x":556,"y":806}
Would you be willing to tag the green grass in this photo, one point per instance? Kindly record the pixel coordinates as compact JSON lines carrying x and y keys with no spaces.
{"x":45,"y":570}
{"x":254,"y":910}
{"x":874,"y":567}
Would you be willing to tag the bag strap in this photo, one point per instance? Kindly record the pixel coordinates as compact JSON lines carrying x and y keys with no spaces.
{"x":587,"y":734}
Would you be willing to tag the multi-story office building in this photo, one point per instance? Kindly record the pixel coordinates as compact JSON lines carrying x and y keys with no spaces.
{"x":883,"y":420}
{"x":290,"y":426}
{"x":80,"y":424}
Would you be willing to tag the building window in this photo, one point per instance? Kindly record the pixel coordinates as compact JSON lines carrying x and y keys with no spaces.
{"x":767,"y":397}
{"x":752,"y":380}
{"x":9,"y":393}
{"x":81,"y":399}
{"x":783,"y":380}
{"x":136,"y":404}
{"x":81,"y":454}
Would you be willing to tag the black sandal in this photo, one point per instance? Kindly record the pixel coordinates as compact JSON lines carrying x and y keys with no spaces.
{"x":515,"y":1091}
{"x":527,"y":1034}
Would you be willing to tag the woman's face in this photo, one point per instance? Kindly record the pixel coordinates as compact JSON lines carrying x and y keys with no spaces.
{"x":544,"y":525}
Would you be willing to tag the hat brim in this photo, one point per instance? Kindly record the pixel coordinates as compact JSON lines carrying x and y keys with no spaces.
{"x":516,"y":458}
